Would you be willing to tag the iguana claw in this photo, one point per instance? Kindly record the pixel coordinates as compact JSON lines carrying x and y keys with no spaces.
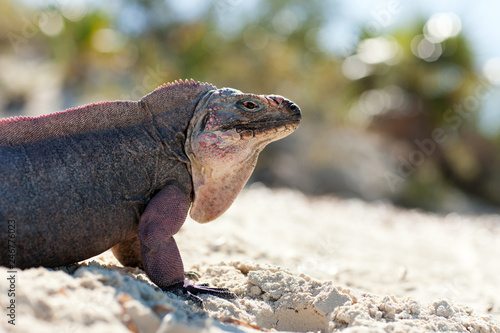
{"x":193,"y":290}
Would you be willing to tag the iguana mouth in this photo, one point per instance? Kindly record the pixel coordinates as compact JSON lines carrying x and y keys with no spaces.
{"x":262,"y":127}
{"x":258,"y":129}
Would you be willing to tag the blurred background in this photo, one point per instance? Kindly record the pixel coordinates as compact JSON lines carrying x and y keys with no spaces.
{"x":399,"y":100}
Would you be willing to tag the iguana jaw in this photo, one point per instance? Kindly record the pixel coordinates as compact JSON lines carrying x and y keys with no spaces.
{"x":224,"y":141}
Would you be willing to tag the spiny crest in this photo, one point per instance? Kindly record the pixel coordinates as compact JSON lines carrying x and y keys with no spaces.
{"x":25,"y":118}
{"x":14,"y":119}
{"x":187,"y":82}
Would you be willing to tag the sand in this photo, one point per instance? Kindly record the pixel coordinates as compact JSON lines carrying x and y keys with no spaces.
{"x":297,"y":264}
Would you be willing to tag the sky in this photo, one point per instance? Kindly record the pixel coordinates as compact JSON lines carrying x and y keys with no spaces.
{"x":480,"y":25}
{"x":480,"y":20}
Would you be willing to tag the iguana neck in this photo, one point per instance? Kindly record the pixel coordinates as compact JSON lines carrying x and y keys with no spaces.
{"x":171,"y":108}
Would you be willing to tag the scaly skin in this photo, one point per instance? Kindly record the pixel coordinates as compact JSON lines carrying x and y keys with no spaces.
{"x":124,"y":175}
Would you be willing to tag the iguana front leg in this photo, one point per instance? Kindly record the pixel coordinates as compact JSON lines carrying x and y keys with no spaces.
{"x":163,"y":217}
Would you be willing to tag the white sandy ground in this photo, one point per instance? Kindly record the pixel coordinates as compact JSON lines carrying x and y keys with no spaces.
{"x":297,"y":264}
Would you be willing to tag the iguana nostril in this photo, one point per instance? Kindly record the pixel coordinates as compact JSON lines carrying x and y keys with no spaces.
{"x":294,"y":108}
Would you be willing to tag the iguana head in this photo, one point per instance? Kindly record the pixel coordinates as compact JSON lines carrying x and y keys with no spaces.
{"x":225,"y":136}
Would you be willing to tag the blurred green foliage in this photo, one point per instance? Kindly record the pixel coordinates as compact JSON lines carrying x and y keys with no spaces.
{"x":371,"y":116}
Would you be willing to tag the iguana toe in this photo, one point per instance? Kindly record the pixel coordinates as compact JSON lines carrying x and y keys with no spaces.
{"x":192,"y":290}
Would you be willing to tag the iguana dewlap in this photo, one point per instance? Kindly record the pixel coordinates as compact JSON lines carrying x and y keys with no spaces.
{"x":123,"y":175}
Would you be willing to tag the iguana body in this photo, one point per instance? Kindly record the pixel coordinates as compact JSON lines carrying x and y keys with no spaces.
{"x":124,"y":175}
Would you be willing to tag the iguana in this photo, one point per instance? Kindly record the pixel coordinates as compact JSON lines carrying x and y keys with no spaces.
{"x":124,"y":174}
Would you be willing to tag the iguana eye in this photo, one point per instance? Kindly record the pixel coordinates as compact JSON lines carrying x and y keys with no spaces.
{"x":250,"y":105}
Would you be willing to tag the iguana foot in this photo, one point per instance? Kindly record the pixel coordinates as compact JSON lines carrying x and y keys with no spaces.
{"x":193,"y":290}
